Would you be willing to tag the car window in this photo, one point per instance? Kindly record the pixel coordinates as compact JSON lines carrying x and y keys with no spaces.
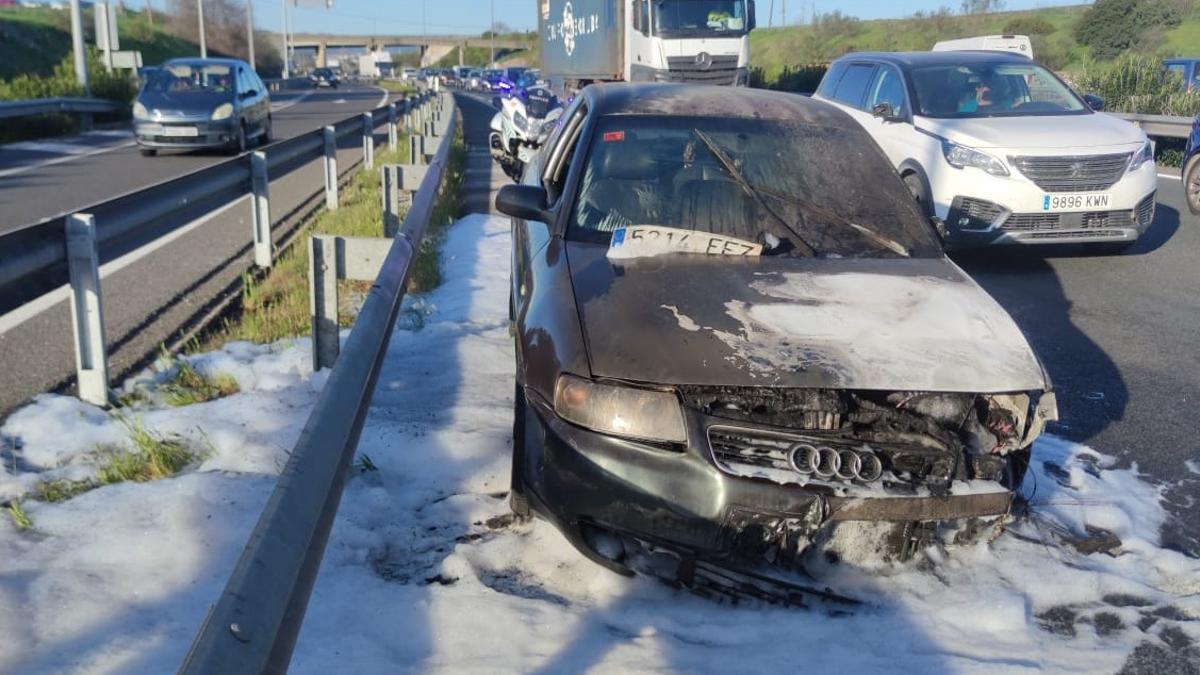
{"x":798,"y":189}
{"x":242,"y":82}
{"x":831,"y":79}
{"x":995,"y":89}
{"x":561,"y":146}
{"x":853,"y":85}
{"x":192,"y":78}
{"x":888,"y":88}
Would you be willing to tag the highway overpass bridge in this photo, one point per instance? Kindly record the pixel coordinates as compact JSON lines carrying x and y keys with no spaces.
{"x":433,"y":47}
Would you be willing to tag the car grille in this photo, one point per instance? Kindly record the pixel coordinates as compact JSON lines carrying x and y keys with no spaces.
{"x":1088,"y":173}
{"x":1142,"y":215}
{"x":755,"y":453}
{"x":723,"y":70}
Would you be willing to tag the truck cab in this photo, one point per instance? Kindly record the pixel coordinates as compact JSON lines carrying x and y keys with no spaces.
{"x":698,"y":41}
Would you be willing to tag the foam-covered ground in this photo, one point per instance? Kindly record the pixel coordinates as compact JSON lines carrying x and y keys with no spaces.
{"x":424,"y":573}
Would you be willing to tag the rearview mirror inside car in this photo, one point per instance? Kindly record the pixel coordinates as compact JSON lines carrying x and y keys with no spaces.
{"x":527,"y":202}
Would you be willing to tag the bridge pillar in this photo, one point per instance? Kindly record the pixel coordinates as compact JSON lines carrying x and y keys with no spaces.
{"x":322,"y":60}
{"x":462,"y":51}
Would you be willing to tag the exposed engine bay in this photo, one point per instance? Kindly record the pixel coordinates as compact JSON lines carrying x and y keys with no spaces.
{"x":854,"y":442}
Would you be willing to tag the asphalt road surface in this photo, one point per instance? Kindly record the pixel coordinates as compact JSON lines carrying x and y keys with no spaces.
{"x":154,"y":293}
{"x":43,"y":179}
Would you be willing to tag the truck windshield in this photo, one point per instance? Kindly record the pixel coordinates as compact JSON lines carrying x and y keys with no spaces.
{"x":798,"y":189}
{"x":697,"y":18}
{"x":992,"y":90}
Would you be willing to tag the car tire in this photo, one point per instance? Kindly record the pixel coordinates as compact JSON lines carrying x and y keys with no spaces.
{"x":265,"y":138}
{"x":916,"y":187}
{"x":518,"y":502}
{"x":148,"y":152}
{"x":238,"y":145}
{"x":1191,"y":184}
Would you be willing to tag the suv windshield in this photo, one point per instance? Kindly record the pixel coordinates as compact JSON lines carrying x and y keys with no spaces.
{"x":692,"y":18}
{"x":797,"y":189}
{"x":992,"y":90}
{"x":192,"y":78}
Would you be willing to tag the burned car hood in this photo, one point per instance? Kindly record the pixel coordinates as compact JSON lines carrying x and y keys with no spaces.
{"x":895,"y":324}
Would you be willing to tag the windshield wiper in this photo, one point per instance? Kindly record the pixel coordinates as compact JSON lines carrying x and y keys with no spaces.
{"x":731,"y":169}
{"x":813,"y":209}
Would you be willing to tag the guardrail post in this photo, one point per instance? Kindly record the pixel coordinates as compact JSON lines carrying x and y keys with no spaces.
{"x":260,"y":208}
{"x":323,"y":302}
{"x":87,"y":309}
{"x":416,"y":149}
{"x":389,"y":184}
{"x":368,"y":140}
{"x":393,"y":135}
{"x":331,"y":173}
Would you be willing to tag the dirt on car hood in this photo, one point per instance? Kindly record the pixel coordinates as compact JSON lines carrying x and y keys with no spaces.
{"x":895,"y":324}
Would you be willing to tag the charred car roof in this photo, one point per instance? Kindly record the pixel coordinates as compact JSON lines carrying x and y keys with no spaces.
{"x":694,"y":100}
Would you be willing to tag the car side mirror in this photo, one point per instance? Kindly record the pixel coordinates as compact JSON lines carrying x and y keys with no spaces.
{"x":527,"y":202}
{"x":885,"y":112}
{"x":1094,"y":102}
{"x":750,"y":20}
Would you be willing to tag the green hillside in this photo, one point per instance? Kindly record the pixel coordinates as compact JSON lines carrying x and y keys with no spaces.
{"x":1051,"y":29}
{"x":35,"y":40}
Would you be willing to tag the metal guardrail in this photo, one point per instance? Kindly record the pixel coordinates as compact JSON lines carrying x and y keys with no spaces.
{"x":48,"y":106}
{"x":254,"y":625}
{"x":1163,"y":126}
{"x":68,"y":249}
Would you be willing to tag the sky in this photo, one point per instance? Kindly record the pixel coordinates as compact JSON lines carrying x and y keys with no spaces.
{"x":469,"y":17}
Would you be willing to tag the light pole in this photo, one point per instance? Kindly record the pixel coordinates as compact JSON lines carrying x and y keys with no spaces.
{"x":81,"y":73}
{"x":492,"y":32}
{"x":200,"y":13}
{"x":286,"y":72}
{"x":250,"y":32}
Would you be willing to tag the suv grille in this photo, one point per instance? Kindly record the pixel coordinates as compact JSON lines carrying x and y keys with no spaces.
{"x":1089,"y":173}
{"x":723,"y":70}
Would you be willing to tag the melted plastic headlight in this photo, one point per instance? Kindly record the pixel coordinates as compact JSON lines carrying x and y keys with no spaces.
{"x":619,"y":410}
{"x":960,"y":156}
{"x":222,"y":112}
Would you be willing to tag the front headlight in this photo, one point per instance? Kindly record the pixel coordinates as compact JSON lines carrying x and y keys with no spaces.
{"x":140,"y":112}
{"x":222,"y":112}
{"x":620,"y":410}
{"x":960,"y":156}
{"x":1145,"y":154}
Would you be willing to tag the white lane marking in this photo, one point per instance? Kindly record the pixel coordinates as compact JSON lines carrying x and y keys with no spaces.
{"x":38,"y":305}
{"x":65,"y":158}
{"x":1169,"y":175}
{"x":287,"y":104}
{"x":52,"y":148}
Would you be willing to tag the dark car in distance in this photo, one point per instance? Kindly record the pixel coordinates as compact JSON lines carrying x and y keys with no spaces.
{"x":738,"y":339}
{"x":1191,"y":168}
{"x":324,"y":77}
{"x":202,"y":103}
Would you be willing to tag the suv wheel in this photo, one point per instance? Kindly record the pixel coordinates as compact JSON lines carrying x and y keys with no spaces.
{"x":1191,"y":184}
{"x":916,"y":187}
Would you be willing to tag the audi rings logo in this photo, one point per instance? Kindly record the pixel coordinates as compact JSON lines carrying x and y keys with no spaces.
{"x":704,"y":60}
{"x":568,"y":29}
{"x":826,"y":463}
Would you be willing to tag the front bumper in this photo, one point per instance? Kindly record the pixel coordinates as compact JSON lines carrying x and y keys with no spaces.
{"x":209,"y":134}
{"x":979,"y":209}
{"x":679,"y":498}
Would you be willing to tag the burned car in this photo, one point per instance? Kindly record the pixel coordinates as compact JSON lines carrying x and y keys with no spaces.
{"x":737,"y":336}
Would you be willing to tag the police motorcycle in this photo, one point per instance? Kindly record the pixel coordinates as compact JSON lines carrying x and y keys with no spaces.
{"x":526,"y":118}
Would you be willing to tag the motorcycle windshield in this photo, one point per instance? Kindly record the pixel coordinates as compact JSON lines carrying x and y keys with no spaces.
{"x":539,"y":103}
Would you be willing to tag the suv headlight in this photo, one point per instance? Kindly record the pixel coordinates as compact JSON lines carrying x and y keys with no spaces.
{"x":222,"y":112}
{"x":1143,"y":155}
{"x":619,"y":410}
{"x":140,"y":112}
{"x":960,"y":156}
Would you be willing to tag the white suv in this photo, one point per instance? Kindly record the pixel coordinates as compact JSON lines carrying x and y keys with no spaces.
{"x":998,"y":148}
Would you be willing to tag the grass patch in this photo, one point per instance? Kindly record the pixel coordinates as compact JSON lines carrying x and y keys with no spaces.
{"x":19,"y":517}
{"x":398,"y":87}
{"x":188,"y":385}
{"x":152,"y":457}
{"x":276,"y":306}
{"x":53,"y":491}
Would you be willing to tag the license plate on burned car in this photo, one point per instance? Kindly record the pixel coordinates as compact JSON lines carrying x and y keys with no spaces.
{"x":1077,"y":202}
